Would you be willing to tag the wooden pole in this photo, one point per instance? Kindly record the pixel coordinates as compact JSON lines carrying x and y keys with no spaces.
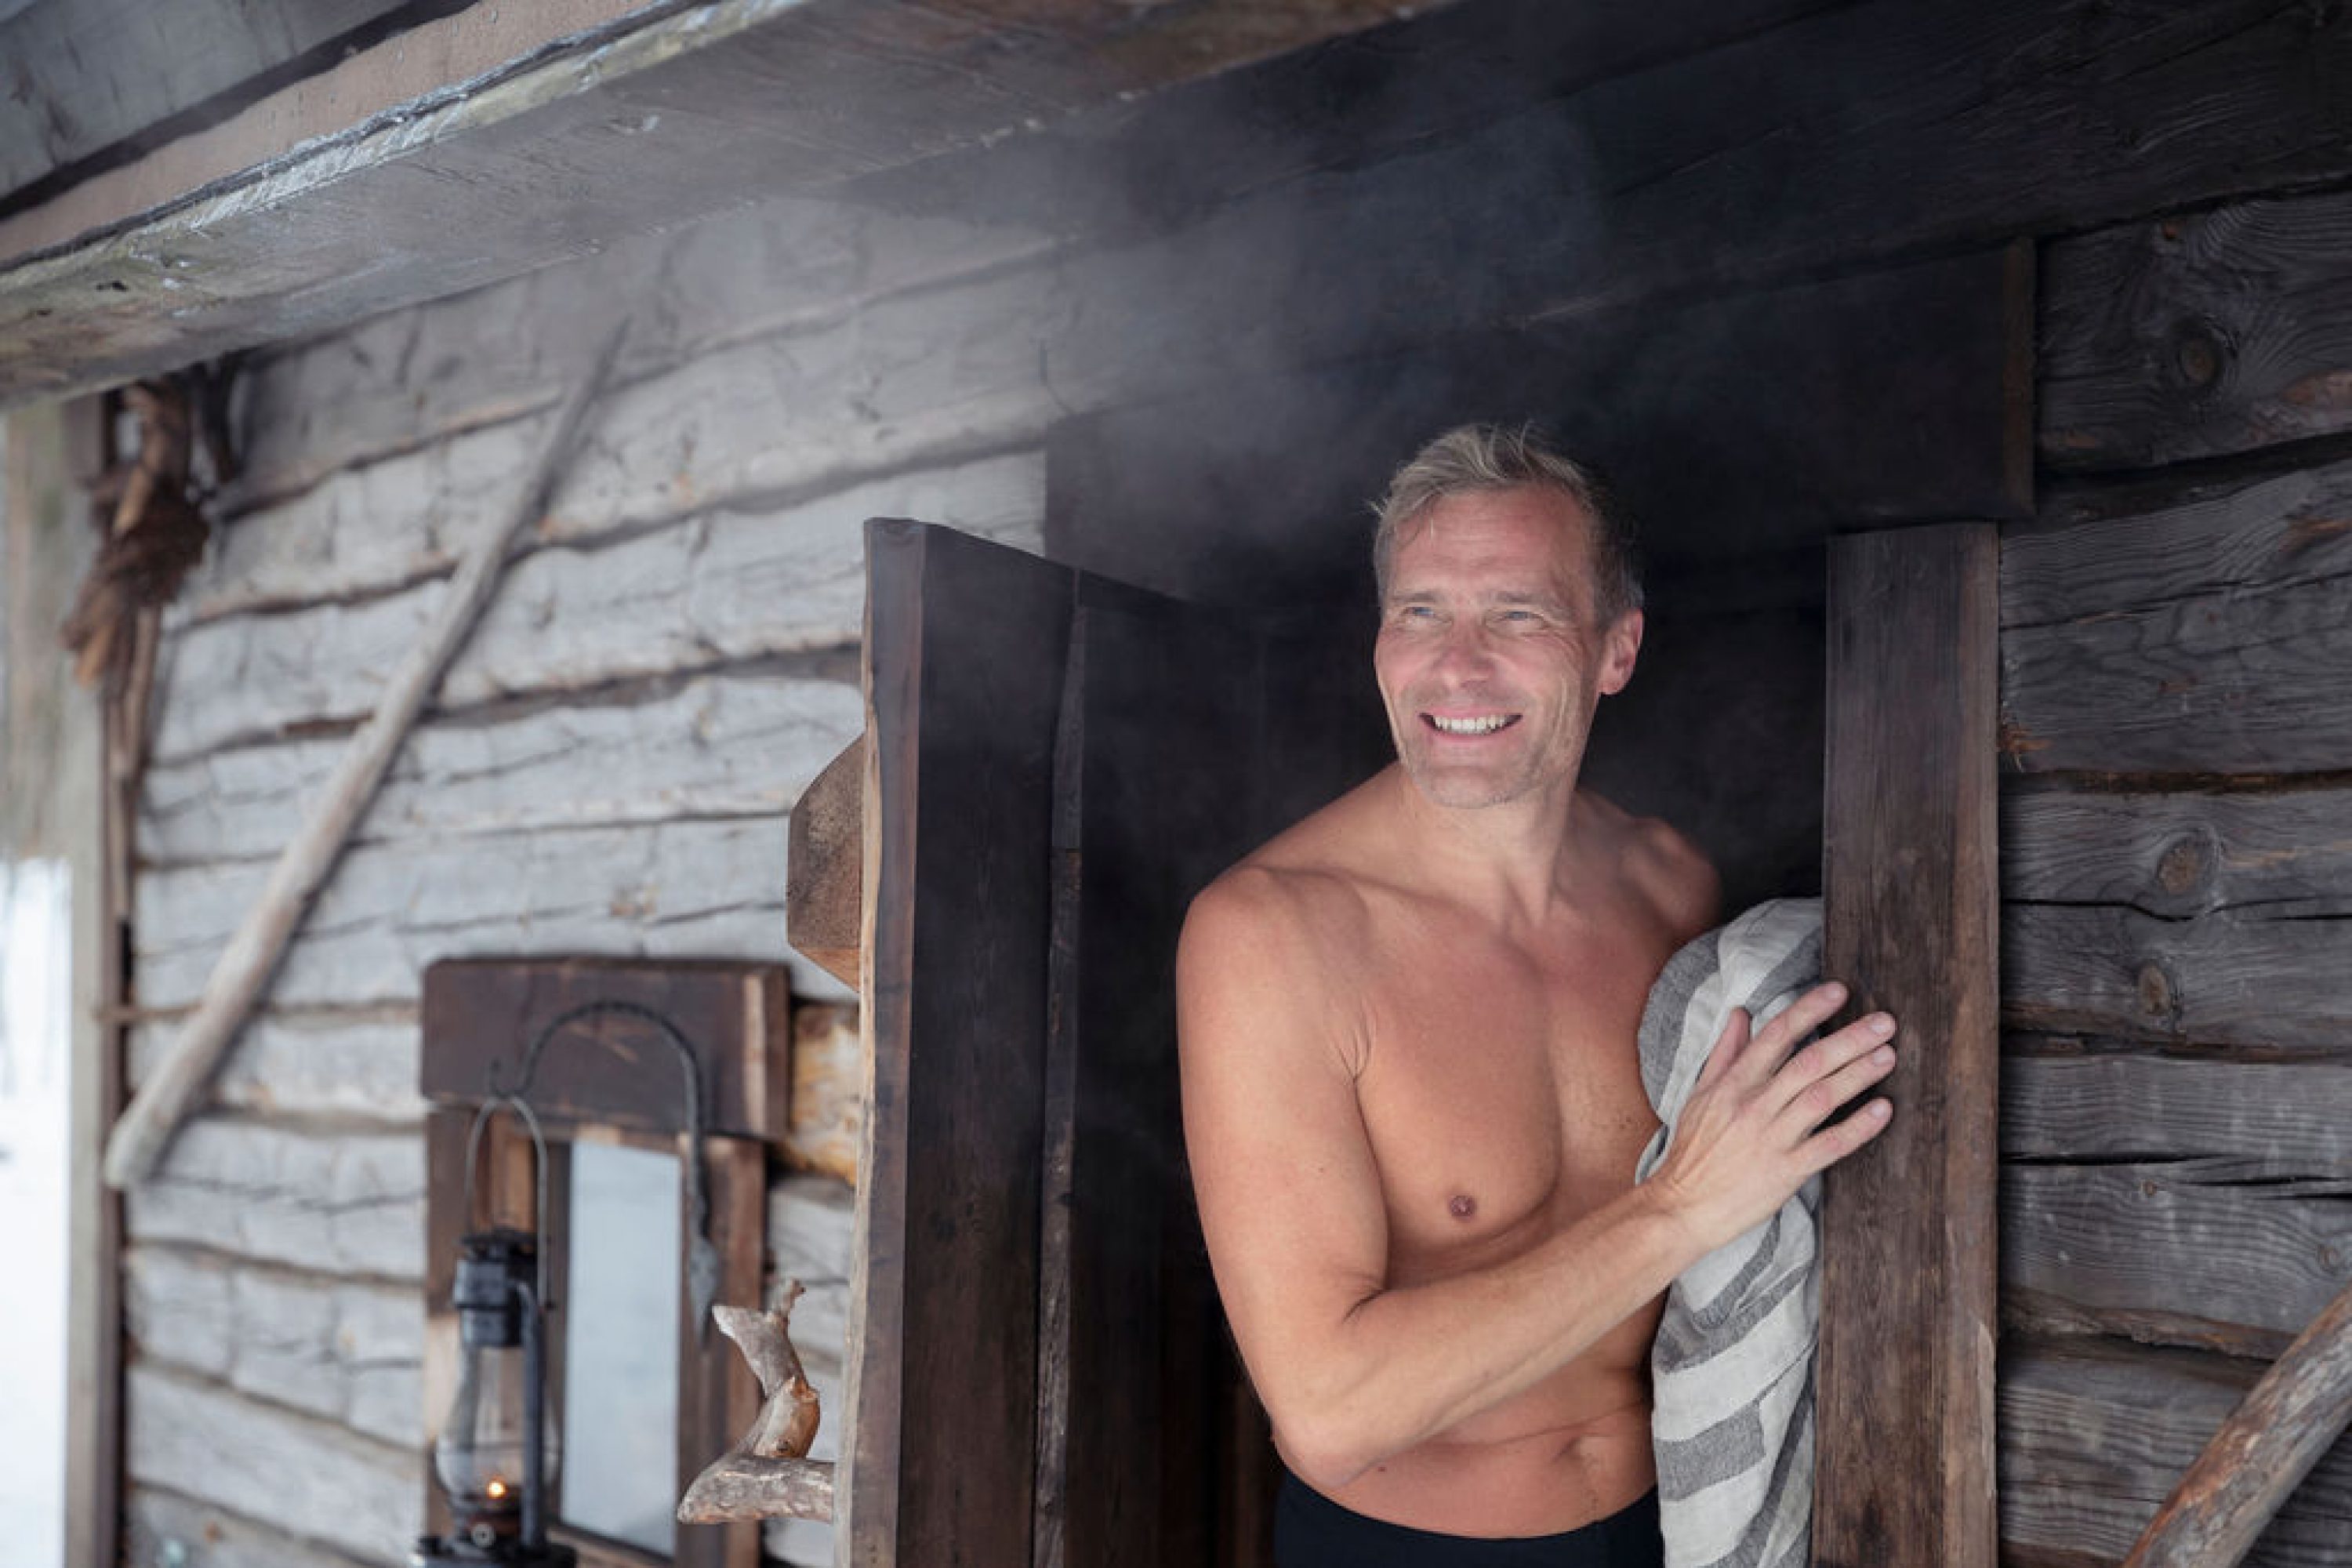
{"x":145,"y":1131}
{"x":2279,"y":1431}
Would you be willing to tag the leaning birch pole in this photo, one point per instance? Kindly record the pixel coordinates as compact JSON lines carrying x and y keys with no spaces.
{"x":136,"y":1146}
{"x":2283,"y":1427}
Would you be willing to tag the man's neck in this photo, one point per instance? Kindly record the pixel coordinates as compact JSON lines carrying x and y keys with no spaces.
{"x":1514,"y":861}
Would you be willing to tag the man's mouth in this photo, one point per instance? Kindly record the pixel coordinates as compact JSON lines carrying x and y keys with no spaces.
{"x":1479,"y":724}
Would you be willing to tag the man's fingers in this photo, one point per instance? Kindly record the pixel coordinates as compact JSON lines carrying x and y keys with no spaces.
{"x":1729,"y":1046}
{"x":1806,"y":1014}
{"x":1831,"y":1144}
{"x":1842,"y":1070}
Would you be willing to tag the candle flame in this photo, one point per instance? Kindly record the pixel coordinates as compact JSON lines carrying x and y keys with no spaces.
{"x":497,"y":1489}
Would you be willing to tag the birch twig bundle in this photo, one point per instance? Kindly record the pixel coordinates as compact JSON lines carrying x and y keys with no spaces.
{"x":137,"y":1145}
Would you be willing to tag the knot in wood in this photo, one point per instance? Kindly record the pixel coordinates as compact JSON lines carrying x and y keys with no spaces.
{"x":2156,"y":998}
{"x":2184,"y":864}
{"x":2197,"y":355}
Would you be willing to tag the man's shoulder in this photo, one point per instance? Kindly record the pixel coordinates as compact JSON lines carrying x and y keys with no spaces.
{"x":1670,"y":872}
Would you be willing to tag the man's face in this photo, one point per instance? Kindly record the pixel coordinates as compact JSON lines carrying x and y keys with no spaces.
{"x":1491,"y":655}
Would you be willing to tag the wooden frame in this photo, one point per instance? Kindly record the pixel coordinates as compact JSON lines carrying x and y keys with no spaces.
{"x":610,"y":1079}
{"x":1911,"y":882}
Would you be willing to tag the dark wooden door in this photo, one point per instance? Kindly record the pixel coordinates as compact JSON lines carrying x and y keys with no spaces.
{"x":1056,"y":764}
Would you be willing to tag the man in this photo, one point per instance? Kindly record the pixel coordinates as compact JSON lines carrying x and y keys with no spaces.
{"x":1410,"y":1091}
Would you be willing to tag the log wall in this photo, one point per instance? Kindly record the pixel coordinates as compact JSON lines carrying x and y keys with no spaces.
{"x":607,"y":769}
{"x":673,"y":658}
{"x":2176,"y":866}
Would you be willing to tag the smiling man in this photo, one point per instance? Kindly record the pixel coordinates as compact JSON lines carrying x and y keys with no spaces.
{"x":1412,"y":1094}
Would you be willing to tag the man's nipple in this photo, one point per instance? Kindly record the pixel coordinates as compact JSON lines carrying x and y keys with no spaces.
{"x":1462,"y":1205}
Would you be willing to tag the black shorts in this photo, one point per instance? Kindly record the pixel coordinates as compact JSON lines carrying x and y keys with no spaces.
{"x":1311,"y":1530}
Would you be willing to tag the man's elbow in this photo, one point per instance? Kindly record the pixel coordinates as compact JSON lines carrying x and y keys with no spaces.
{"x":1326,"y":1444}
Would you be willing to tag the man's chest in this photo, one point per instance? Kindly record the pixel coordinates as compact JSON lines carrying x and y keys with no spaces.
{"x":1503,"y":1097}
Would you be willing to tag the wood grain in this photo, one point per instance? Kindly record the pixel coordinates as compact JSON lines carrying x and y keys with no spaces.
{"x":2180,"y":855}
{"x":2232,"y":978}
{"x":2179,"y":1252}
{"x":1904,"y":1373}
{"x":2198,"y":335}
{"x":965,"y":651}
{"x":828,"y":844}
{"x":357,"y":1496}
{"x":2277,"y":1118}
{"x":2283,"y":1427}
{"x":2093,"y":1436}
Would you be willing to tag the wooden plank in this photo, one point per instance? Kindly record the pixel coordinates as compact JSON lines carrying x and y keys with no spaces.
{"x":2289,"y":531}
{"x":2181,"y":1252}
{"x":350,"y":1068}
{"x":207,"y":1444}
{"x":481,"y":1015}
{"x":160,"y":1527}
{"x":2281,"y":1118}
{"x":1790,"y":395}
{"x":2178,"y":854}
{"x":1905,"y":1371}
{"x":345,"y":1202}
{"x":714,"y":589}
{"x":822,"y":893}
{"x":2198,"y":335}
{"x":2093,"y":1435}
{"x":1154,"y":820}
{"x":2227,"y":979}
{"x":964,"y":656}
{"x":733,"y":742}
{"x":676,"y":889}
{"x":820,"y":276}
{"x":384,"y":525}
{"x":2238,"y":681}
{"x":95,"y":75}
{"x":345,"y":1350}
{"x":687,"y":112}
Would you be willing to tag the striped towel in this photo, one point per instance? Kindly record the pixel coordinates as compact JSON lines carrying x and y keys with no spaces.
{"x":1733,"y":1365}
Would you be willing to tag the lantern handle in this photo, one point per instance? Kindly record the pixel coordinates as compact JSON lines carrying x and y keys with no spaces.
{"x":702,"y":1266}
{"x":520,"y":1108}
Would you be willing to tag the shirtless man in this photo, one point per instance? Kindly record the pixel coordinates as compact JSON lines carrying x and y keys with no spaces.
{"x":1412,"y":1094}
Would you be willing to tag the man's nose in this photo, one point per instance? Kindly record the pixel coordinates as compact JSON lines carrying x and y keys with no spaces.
{"x":1467,"y":647}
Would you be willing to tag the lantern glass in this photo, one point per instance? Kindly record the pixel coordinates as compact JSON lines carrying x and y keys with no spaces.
{"x":478,"y":1455}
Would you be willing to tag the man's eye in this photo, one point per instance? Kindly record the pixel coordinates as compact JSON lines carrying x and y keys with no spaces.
{"x":1518,"y":618}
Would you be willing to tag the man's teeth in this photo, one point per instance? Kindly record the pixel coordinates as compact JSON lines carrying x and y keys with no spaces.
{"x":1481,"y":726}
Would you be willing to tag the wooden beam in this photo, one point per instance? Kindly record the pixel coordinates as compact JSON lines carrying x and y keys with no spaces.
{"x":105,"y":71}
{"x":1910,"y":880}
{"x":432,"y":164}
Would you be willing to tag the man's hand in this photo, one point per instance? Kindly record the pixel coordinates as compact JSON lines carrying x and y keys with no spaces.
{"x":1753,"y":1129}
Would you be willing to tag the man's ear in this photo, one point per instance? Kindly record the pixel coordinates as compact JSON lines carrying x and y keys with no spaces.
{"x":1621,"y":645}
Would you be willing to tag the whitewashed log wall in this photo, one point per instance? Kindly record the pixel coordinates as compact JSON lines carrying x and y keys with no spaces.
{"x":608,"y":770}
{"x":2176,"y":866}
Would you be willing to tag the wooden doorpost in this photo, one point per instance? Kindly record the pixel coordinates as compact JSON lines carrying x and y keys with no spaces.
{"x":1905,"y":1380}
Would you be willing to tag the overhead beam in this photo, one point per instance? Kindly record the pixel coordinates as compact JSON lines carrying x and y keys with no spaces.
{"x":489,"y":142}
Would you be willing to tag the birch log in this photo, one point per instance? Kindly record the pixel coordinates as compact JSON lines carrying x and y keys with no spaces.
{"x":2268,"y":1445}
{"x":139,"y":1139}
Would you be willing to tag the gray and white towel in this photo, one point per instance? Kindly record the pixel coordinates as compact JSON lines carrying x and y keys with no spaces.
{"x":1733,"y":1365}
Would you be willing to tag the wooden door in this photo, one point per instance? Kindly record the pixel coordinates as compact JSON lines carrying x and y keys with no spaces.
{"x":1054,"y":764}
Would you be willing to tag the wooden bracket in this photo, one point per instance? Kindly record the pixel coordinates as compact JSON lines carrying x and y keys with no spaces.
{"x":821,"y":887}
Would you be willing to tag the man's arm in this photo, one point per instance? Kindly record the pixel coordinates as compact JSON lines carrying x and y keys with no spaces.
{"x":1353,"y":1371}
